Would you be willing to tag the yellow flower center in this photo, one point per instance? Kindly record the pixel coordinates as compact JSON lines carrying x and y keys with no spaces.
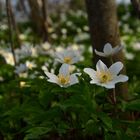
{"x":64,"y":80}
{"x":30,"y":66}
{"x":104,"y":76}
{"x":68,"y":60}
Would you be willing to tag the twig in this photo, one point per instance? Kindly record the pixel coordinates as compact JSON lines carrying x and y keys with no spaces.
{"x":10,"y":29}
{"x":44,"y":13}
{"x":13,"y":21}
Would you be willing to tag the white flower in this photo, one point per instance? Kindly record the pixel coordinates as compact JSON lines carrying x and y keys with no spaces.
{"x":30,"y":64}
{"x":46,"y":46}
{"x":44,"y":67}
{"x":21,"y":68}
{"x":3,"y":27}
{"x":106,"y":77}
{"x":26,"y":50}
{"x":68,"y":56}
{"x":22,"y":37}
{"x":129,"y":56}
{"x":108,"y":50}
{"x":136,"y":46}
{"x":64,"y":78}
{"x":23,"y":52}
{"x":8,"y":56}
{"x":1,"y":79}
{"x":44,"y":49}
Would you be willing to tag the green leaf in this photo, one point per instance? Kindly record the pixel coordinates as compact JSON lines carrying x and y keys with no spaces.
{"x":92,"y":127}
{"x":108,"y":137}
{"x":62,"y":127}
{"x":133,"y":105}
{"x":45,"y":98}
{"x":105,"y":119}
{"x":36,"y":133}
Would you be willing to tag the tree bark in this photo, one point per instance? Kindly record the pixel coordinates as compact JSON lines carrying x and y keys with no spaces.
{"x":44,"y":12}
{"x":102,"y":16}
{"x":14,"y":24}
{"x":136,"y":6}
{"x":21,"y":6}
{"x":39,"y":17}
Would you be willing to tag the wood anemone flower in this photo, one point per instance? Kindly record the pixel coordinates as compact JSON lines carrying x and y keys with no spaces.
{"x":108,"y":50}
{"x":64,"y":78}
{"x":106,"y":77}
{"x":68,"y":56}
{"x":20,"y":68}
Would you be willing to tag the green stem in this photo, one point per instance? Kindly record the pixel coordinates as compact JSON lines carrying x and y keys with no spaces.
{"x":114,"y":96}
{"x":111,"y":60}
{"x":114,"y":92}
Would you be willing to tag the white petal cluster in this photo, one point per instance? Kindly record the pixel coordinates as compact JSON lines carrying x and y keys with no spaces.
{"x":7,"y":54}
{"x":68,"y":56}
{"x":108,"y":50}
{"x":64,"y":78}
{"x":106,"y":77}
{"x":21,"y":68}
{"x":24,"y":51}
{"x":103,"y":76}
{"x":30,"y":64}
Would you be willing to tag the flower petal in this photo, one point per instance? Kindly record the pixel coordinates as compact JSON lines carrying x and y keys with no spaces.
{"x":94,"y":81}
{"x":100,"y":66}
{"x":117,"y":49}
{"x":52,"y":77}
{"x":120,"y":78}
{"x":75,"y":59}
{"x":59,"y":60}
{"x":91,"y":72}
{"x":68,"y":53}
{"x":107,"y":49}
{"x":59,"y":57}
{"x":116,"y":68}
{"x":21,"y":68}
{"x":64,"y":70}
{"x":73,"y":79}
{"x":100,"y":53}
{"x":108,"y":85}
{"x":78,"y":74}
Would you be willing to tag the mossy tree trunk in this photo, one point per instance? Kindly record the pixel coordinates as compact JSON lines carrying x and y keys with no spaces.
{"x":102,"y":16}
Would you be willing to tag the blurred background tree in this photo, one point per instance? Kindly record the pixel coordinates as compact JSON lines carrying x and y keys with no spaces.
{"x":38,"y":15}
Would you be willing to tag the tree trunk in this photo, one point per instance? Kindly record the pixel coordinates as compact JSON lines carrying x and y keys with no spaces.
{"x":15,"y":29}
{"x":44,"y":13}
{"x":136,"y":6}
{"x":39,"y":17}
{"x":104,"y":29}
{"x":22,"y":7}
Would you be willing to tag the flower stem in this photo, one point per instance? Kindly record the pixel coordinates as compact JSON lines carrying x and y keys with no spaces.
{"x":113,"y":91}
{"x":114,"y":96}
{"x":111,"y":60}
